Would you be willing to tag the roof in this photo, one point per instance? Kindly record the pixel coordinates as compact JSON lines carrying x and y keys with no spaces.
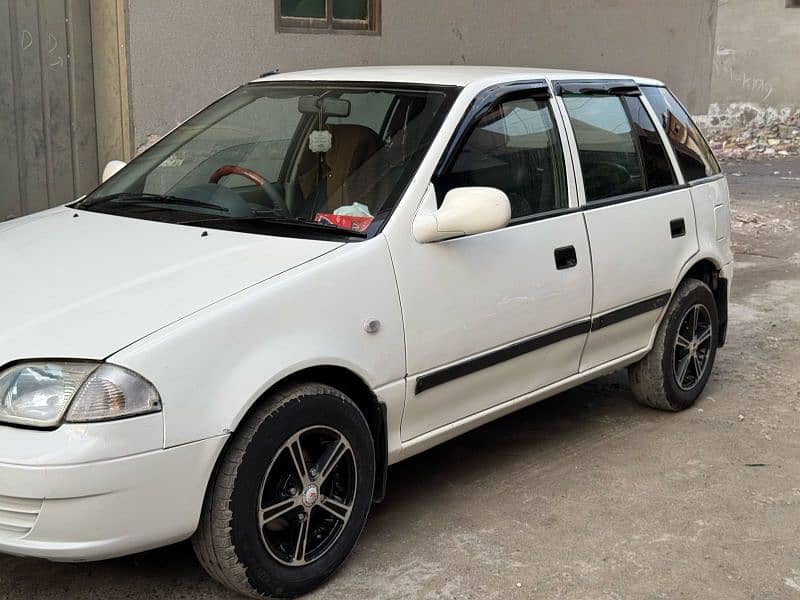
{"x":445,"y":75}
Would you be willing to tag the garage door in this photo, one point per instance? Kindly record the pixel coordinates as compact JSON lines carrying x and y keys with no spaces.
{"x":48,"y":144}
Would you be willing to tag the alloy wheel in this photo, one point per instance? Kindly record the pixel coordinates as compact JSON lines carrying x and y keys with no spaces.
{"x":307,"y":496}
{"x":692,"y":347}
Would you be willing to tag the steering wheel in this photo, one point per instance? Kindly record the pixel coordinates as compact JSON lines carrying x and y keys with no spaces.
{"x":226,"y":170}
{"x":278,"y":201}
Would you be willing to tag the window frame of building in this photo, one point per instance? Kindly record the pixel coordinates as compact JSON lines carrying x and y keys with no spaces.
{"x":369,"y":26}
{"x":792,"y":3}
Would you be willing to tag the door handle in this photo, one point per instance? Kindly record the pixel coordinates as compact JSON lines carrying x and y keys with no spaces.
{"x":565,"y":257}
{"x":677,"y":228}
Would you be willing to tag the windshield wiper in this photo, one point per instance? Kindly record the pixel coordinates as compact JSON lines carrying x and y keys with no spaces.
{"x":142,"y":198}
{"x":313,"y":225}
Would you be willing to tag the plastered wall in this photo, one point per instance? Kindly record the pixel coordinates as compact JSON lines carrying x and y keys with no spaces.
{"x":184,"y":53}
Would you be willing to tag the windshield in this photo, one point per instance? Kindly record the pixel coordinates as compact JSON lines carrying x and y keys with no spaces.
{"x":307,"y":157}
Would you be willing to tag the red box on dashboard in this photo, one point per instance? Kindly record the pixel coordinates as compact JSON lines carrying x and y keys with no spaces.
{"x":344,"y":221}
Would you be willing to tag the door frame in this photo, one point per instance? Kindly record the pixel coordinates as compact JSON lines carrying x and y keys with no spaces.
{"x":480,"y":359}
{"x":111,"y":81}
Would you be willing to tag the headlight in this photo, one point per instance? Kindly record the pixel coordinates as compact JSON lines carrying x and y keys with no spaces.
{"x":39,"y":394}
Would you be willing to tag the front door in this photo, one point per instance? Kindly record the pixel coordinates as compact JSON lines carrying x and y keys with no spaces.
{"x":491,"y":317}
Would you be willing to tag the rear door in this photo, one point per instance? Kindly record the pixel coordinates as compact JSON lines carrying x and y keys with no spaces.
{"x":638,"y":214}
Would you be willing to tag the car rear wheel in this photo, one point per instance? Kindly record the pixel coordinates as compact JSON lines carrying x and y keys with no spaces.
{"x":675,"y":372}
{"x":290,"y":496}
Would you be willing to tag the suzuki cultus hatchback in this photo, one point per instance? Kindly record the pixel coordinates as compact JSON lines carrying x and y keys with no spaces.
{"x":326,"y":272}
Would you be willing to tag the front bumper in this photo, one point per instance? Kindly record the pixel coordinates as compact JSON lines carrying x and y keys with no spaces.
{"x":106,"y":508}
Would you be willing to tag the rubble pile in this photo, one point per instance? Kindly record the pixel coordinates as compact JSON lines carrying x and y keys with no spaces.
{"x":754,"y":223}
{"x":749,"y":130}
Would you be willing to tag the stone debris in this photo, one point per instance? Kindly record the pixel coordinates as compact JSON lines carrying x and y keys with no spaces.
{"x":754,"y":223}
{"x":746,"y":130}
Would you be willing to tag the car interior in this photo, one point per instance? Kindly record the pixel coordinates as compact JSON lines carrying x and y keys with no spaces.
{"x":360,"y":166}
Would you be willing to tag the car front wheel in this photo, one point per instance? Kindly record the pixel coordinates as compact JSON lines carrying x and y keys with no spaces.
{"x":290,"y":496}
{"x":675,"y":372}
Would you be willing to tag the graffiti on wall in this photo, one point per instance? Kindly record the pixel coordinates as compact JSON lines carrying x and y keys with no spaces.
{"x":724,"y":64}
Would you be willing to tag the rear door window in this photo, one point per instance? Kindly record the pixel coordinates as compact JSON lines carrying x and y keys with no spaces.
{"x":607,"y":146}
{"x":694,"y":156}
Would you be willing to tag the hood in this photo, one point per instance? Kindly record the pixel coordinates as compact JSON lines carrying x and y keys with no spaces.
{"x":86,"y":286}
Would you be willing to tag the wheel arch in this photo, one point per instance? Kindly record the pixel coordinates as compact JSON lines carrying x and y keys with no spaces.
{"x":707,"y":269}
{"x":353,"y":386}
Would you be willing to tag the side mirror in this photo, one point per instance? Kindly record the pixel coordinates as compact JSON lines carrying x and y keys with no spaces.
{"x":112,"y":168}
{"x":465,"y":211}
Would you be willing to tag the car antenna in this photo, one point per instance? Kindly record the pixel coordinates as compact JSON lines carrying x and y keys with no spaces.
{"x":269,"y":73}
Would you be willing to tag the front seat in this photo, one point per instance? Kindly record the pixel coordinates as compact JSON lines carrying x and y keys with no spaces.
{"x":352,"y":146}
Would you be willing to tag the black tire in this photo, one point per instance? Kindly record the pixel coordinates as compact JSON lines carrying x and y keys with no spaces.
{"x":656,"y":379}
{"x":232,"y":544}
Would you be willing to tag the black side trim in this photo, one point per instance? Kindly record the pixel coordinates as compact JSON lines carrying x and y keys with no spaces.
{"x":618,"y":87}
{"x":473,"y":365}
{"x":628,"y":312}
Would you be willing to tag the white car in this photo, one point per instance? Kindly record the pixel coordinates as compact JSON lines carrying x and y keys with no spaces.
{"x":326,"y":272}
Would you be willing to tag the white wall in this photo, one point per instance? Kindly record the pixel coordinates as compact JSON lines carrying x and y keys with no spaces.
{"x":184,"y":53}
{"x":757,"y":57}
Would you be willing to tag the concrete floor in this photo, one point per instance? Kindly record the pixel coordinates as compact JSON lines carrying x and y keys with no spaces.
{"x":585,"y":495}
